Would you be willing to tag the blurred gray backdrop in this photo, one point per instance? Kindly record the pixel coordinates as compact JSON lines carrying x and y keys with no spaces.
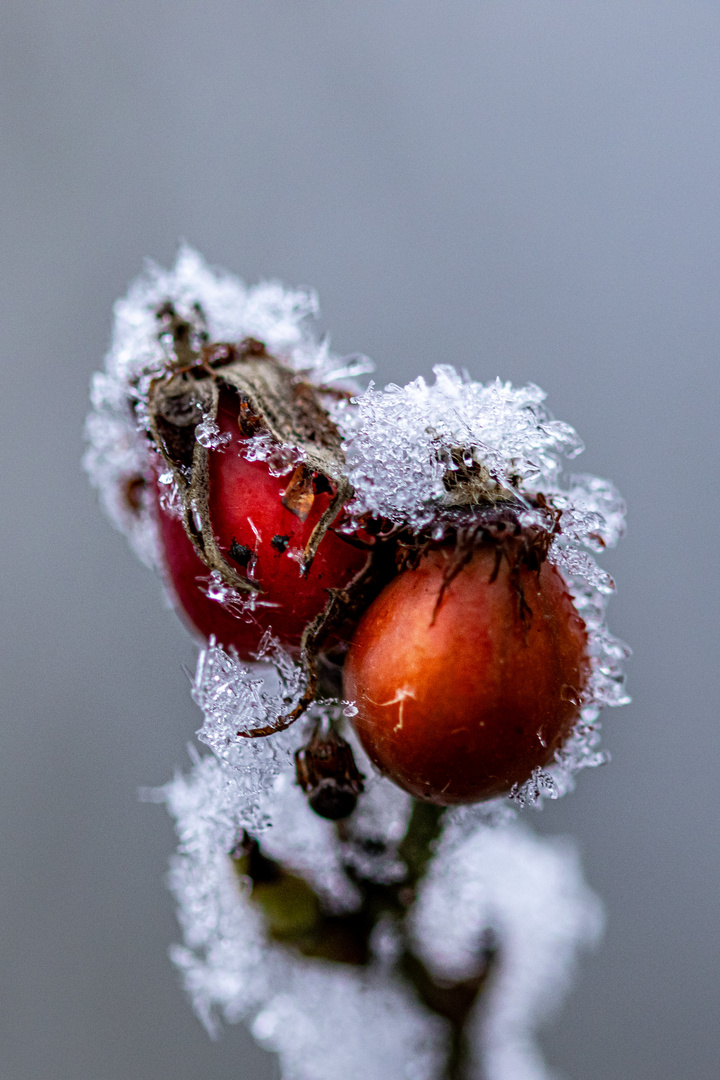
{"x":529,"y":189}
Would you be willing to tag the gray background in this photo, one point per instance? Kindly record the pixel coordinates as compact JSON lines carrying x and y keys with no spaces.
{"x":527,"y":188}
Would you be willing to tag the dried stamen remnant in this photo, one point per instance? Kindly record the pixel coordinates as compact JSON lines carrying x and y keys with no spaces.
{"x":218,"y":354}
{"x":184,"y":337}
{"x":249,"y":423}
{"x":522,"y":547}
{"x":327,"y":773}
{"x":250,"y":346}
{"x":467,"y":482}
{"x":299,"y":495}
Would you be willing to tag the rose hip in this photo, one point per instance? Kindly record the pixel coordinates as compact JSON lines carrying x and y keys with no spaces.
{"x":465,"y":684}
{"x":262,"y":524}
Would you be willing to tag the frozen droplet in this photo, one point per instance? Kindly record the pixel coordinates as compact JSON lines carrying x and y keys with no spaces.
{"x":571,"y":694}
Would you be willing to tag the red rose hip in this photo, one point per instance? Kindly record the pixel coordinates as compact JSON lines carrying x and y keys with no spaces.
{"x":262,"y":524}
{"x":463,"y":690}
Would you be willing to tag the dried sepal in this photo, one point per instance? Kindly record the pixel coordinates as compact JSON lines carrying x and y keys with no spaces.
{"x":326,"y":771}
{"x":271,"y":399}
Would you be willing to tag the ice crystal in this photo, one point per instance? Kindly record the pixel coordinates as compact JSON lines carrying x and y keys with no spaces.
{"x":237,"y":698}
{"x":280,"y":459}
{"x":327,"y":1020}
{"x":208,"y":434}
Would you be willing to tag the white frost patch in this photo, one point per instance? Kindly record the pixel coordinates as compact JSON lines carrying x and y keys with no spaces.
{"x":531,"y":895}
{"x":398,"y":441}
{"x":327,"y":1020}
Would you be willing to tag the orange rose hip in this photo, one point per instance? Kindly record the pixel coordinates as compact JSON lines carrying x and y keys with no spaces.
{"x":463,"y":691}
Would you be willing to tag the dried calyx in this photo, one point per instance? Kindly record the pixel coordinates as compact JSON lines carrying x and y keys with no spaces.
{"x":326,"y":771}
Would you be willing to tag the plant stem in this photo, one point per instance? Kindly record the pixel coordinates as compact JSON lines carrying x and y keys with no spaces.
{"x":294,"y":917}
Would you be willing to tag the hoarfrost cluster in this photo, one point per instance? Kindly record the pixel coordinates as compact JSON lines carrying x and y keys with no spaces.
{"x":399,"y":441}
{"x":489,"y":875}
{"x":328,"y":1020}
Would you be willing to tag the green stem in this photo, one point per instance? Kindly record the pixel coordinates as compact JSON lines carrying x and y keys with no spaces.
{"x":417,"y":847}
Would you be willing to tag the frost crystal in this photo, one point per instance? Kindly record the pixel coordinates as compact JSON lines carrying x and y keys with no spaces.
{"x":236,"y":698}
{"x":399,"y":441}
{"x":208,"y":434}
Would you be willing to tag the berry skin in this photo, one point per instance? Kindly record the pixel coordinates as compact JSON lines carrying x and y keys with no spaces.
{"x":187,"y":577}
{"x":262,"y":524}
{"x":461,"y":693}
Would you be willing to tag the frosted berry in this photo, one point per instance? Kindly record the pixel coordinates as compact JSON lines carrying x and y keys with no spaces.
{"x":252,"y":543}
{"x":468,"y":674}
{"x":262,"y":524}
